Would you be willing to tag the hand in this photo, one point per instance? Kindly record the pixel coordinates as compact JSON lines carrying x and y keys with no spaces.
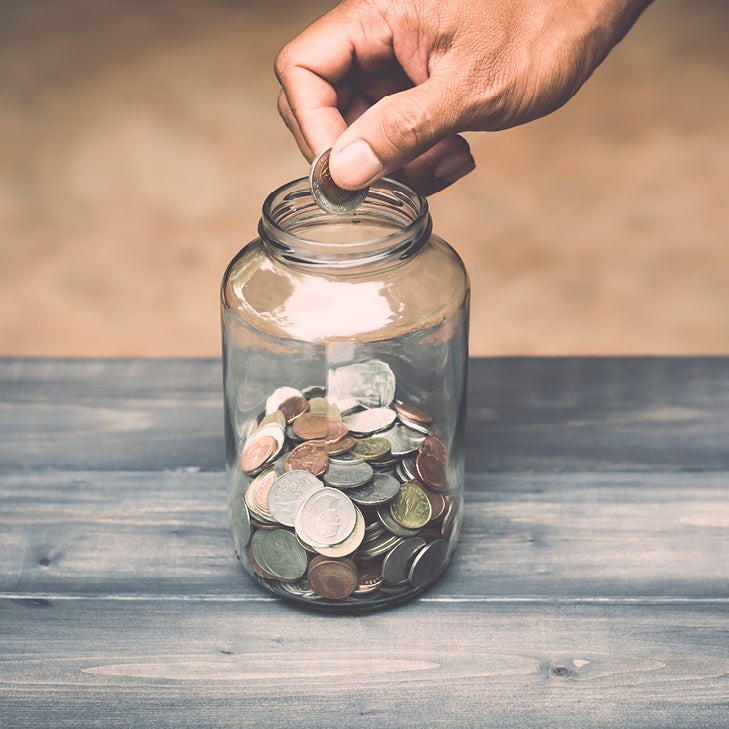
{"x":389,"y":84}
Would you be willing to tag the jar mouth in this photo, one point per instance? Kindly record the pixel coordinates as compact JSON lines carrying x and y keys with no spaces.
{"x":390,"y":225}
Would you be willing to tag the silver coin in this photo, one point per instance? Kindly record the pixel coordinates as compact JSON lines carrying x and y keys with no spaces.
{"x":413,"y":425}
{"x":406,"y":469}
{"x":279,"y":554}
{"x":347,"y":475}
{"x":381,"y":489}
{"x":396,"y":565}
{"x":370,"y":384}
{"x":428,"y":563}
{"x":366,"y":422}
{"x":383,"y":514}
{"x":287,"y":493}
{"x":240,"y":520}
{"x":325,"y":517}
{"x":403,"y":441}
{"x":377,"y":547}
{"x":328,"y":195}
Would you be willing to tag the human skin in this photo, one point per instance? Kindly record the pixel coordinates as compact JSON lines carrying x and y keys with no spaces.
{"x":389,"y":85}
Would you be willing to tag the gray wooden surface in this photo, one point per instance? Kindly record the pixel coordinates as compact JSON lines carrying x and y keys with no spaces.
{"x":590,"y":587}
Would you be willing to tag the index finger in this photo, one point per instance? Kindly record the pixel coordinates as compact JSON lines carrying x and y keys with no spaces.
{"x":312,"y":66}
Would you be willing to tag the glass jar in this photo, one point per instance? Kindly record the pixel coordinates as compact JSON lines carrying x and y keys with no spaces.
{"x":345,"y":348}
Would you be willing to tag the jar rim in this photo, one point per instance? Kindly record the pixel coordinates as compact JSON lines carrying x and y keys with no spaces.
{"x":290,"y":214}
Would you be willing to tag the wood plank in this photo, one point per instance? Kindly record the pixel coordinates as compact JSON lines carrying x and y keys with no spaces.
{"x":525,"y":534}
{"x":185,"y":663}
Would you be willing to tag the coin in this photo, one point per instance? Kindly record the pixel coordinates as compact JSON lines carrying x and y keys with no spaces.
{"x":341,"y":446}
{"x":311,"y":455}
{"x":437,"y":503}
{"x":402,"y":440}
{"x":328,"y":195}
{"x":366,"y":422}
{"x":379,"y":490}
{"x":279,"y":554}
{"x":411,"y":508}
{"x":333,"y":578}
{"x":287,"y":493}
{"x":319,"y":405}
{"x":260,"y":494}
{"x":325,"y":517}
{"x":240,"y":519}
{"x":428,"y":563}
{"x":293,"y":407}
{"x":411,"y":413}
{"x":275,"y":417}
{"x":350,"y":544}
{"x":347,"y":475}
{"x":370,"y":576}
{"x":430,"y":464}
{"x":384,"y":515}
{"x":396,"y":565}
{"x":278,"y":396}
{"x":310,"y":426}
{"x":256,"y":451}
{"x":370,"y":449}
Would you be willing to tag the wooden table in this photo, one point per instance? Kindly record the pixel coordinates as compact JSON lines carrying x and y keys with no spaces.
{"x":590,"y":587}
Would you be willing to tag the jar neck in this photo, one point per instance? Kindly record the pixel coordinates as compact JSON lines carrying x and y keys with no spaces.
{"x":390,"y":226}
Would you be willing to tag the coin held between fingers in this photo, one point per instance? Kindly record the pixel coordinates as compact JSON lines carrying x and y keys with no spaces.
{"x":327,"y":194}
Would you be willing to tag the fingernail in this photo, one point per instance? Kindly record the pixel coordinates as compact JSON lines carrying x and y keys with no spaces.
{"x":452,"y":167}
{"x":355,"y":166}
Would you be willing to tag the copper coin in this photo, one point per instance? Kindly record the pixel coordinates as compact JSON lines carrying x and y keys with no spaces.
{"x":342,"y":446}
{"x":260,"y":497}
{"x":311,"y":456}
{"x":310,"y":426}
{"x":410,"y":412}
{"x":333,"y":578}
{"x":294,"y":407}
{"x":256,"y":452}
{"x":370,"y":575}
{"x":437,"y":504}
{"x":430,"y":464}
{"x":336,"y":430}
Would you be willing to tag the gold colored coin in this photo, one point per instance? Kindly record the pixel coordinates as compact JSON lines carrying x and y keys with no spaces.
{"x":411,"y":507}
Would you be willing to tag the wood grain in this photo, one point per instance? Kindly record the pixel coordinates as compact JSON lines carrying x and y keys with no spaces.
{"x":590,"y":586}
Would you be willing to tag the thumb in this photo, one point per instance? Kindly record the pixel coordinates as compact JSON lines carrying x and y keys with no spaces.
{"x":390,"y":134}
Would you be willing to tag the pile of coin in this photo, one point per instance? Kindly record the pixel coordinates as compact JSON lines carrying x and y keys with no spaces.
{"x":347,"y":495}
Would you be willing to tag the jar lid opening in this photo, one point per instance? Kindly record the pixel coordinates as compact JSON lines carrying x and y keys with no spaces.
{"x":391,"y":224}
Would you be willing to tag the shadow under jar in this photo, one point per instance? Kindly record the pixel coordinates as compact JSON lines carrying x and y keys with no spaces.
{"x":345,"y":348}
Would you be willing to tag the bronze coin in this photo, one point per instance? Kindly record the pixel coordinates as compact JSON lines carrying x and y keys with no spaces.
{"x":410,"y":412}
{"x":333,"y":578}
{"x":311,"y":456}
{"x":311,"y":426}
{"x":342,"y":446}
{"x":336,"y":430}
{"x":260,"y":497}
{"x":293,"y":408}
{"x":370,"y":575}
{"x":437,"y":504}
{"x":430,"y":464}
{"x":256,"y":452}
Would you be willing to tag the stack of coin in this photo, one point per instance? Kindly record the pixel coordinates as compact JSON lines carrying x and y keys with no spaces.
{"x":345,"y":502}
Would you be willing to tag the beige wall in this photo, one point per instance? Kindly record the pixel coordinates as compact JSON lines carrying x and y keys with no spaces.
{"x":138,"y":140}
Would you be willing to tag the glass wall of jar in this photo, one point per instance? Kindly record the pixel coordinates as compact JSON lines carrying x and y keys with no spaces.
{"x":345,"y":347}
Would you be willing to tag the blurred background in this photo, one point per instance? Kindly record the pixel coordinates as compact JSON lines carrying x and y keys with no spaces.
{"x":138,"y":140}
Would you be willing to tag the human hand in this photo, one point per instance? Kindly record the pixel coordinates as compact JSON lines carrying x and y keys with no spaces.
{"x":389,"y":84}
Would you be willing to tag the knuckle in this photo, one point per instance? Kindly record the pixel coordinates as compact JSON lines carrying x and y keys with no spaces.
{"x":407,"y":126}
